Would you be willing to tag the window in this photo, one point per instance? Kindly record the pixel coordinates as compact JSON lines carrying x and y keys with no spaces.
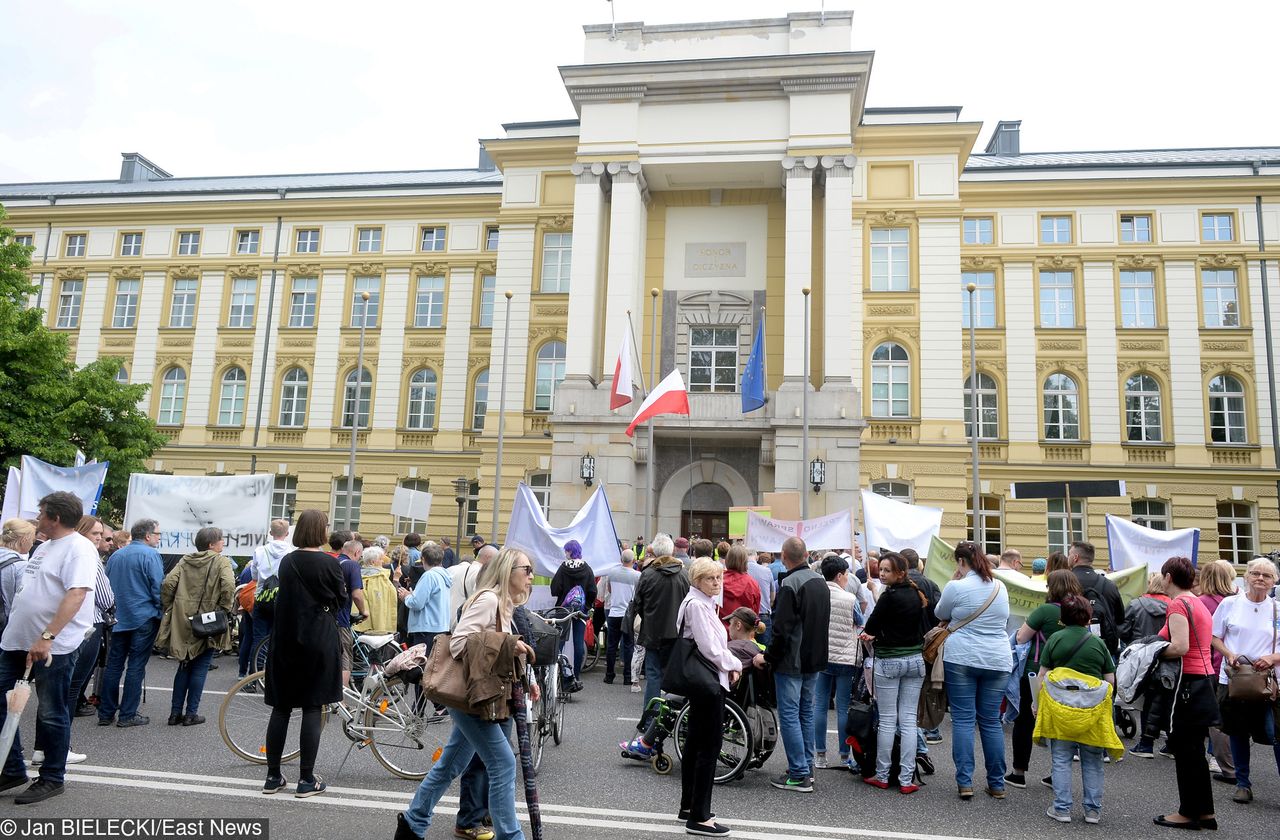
{"x":422,"y":400}
{"x":473,"y":509}
{"x":985,"y":298}
{"x":548,"y":373}
{"x":890,"y":381}
{"x":487,"y":285}
{"x":284,"y":497}
{"x":293,"y":398}
{"x":556,"y":257}
{"x":247,"y":241}
{"x":126,"y":306}
{"x":890,"y":259}
{"x":1153,"y":513}
{"x":1217,"y":227}
{"x":1226,"y":410}
{"x":346,"y":505}
{"x":1235,"y":532}
{"x":1055,"y":230}
{"x":173,"y":397}
{"x":189,"y":243}
{"x":432,"y":239}
{"x":365,"y":312}
{"x":480,"y":400}
{"x":349,"y":399}
{"x":1137,"y":299}
{"x":69,"y":304}
{"x":182,"y":304}
{"x":302,"y":302}
{"x":1057,"y":299}
{"x":131,"y":245}
{"x":491,"y":238}
{"x":244,"y":297}
{"x":1059,"y":537}
{"x":122,"y":376}
{"x":992,"y":521}
{"x":231,"y":399}
{"x":26,"y":240}
{"x":540,"y":484}
{"x":1142,"y":416}
{"x":713,"y":359}
{"x":75,"y":244}
{"x":1221,"y":301}
{"x":979,"y":231}
{"x":1061,"y":408}
{"x":428,"y":306}
{"x":988,"y":408}
{"x":1135,"y":228}
{"x":369,"y":240}
{"x":307,"y":241}
{"x":899,"y":491}
{"x":404,"y":524}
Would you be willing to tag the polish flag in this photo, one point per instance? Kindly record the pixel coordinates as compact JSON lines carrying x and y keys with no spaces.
{"x":621,"y":394}
{"x":670,"y":397}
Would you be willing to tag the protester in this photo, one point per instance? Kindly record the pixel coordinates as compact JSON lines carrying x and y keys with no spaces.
{"x":246,"y":589}
{"x":743,"y":625}
{"x":304,"y":660}
{"x":428,"y":603}
{"x":353,"y":585}
{"x":622,"y":587}
{"x":135,"y":572}
{"x":450,"y":557}
{"x":1102,"y":594}
{"x":659,"y":593}
{"x":1217,"y":583}
{"x":464,"y":577}
{"x":380,"y":599}
{"x":977,"y":663}
{"x":15,"y":543}
{"x":413,"y":544}
{"x":104,"y":604}
{"x":1055,"y":561}
{"x":844,"y":660}
{"x":1142,"y":618}
{"x":266,"y":574}
{"x":759,"y":571}
{"x":573,"y":575}
{"x":740,"y":588}
{"x":1039,"y":568}
{"x":700,"y":548}
{"x":681,"y":552}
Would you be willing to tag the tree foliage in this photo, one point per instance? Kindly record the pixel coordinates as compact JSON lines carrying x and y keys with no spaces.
{"x":48,"y":407}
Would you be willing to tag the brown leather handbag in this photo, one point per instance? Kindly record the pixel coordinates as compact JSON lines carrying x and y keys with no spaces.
{"x":444,"y":680}
{"x":1247,"y":683}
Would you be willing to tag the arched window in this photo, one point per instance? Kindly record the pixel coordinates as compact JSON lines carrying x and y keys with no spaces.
{"x":890,"y":381}
{"x":1142,"y":418}
{"x":173,"y":397}
{"x":480,"y":400}
{"x":988,"y":408}
{"x":548,"y":373}
{"x":1226,"y":410}
{"x":231,"y":398}
{"x":293,"y":398}
{"x":349,"y":399}
{"x":1061,"y":408}
{"x":422,"y":399}
{"x":122,"y":376}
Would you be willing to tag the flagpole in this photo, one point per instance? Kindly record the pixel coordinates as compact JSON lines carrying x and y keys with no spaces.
{"x":502,"y":417}
{"x":653,"y":373}
{"x":804,"y":413}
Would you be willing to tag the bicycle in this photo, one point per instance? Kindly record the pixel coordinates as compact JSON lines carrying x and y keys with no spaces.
{"x":359,"y":659}
{"x":546,"y":715}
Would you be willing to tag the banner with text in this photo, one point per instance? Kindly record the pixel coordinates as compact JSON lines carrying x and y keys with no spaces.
{"x":238,"y":504}
{"x":895,"y":525}
{"x":1132,"y":545}
{"x":832,"y":531}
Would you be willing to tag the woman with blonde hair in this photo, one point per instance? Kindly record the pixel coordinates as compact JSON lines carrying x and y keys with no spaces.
{"x":15,"y":544}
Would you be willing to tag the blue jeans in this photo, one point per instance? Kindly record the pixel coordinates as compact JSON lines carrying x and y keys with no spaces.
{"x":898,"y":682}
{"x":86,"y":659}
{"x":767,"y":636}
{"x":975,"y":695}
{"x":188,"y":683}
{"x":261,"y":630}
{"x":471,"y":737}
{"x":1090,"y":776}
{"x":840,"y":676}
{"x":1240,"y":751}
{"x":473,"y":799}
{"x":578,"y":633}
{"x":655,"y":661}
{"x":53,"y":715}
{"x":129,"y":649}
{"x":246,"y":643}
{"x":795,"y":720}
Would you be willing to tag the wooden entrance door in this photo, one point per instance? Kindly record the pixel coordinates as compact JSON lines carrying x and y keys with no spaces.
{"x":709,"y":524}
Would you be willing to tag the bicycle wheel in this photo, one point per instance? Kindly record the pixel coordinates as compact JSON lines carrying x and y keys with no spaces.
{"x":554,"y":698}
{"x":735,"y":746}
{"x":260,"y":654}
{"x":403,"y":730}
{"x":595,"y":651}
{"x":537,"y":723}
{"x":242,"y":721}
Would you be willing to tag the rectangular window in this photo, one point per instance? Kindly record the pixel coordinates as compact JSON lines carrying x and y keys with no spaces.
{"x":890,"y":259}
{"x":1221,"y":299}
{"x":189,"y":243}
{"x":428,"y":305}
{"x":1135,"y":228}
{"x":131,"y":245}
{"x":284,"y":497}
{"x":346,"y":508}
{"x":302,"y":302}
{"x":1153,"y":513}
{"x":557,"y":249}
{"x":1055,"y":230}
{"x":713,"y":359}
{"x":369,"y":240}
{"x":244,"y":298}
{"x":307,"y":241}
{"x":488,"y":283}
{"x":365,"y":311}
{"x":1137,"y":299}
{"x":75,"y":244}
{"x":1235,"y":532}
{"x":182,"y":305}
{"x":491,"y":238}
{"x":473,"y":509}
{"x":984,"y":298}
{"x":69,"y":304}
{"x":1057,"y":299}
{"x":125,"y":315}
{"x":26,"y":240}
{"x":991,"y":520}
{"x":432,"y":239}
{"x":1060,"y":539}
{"x":540,"y":485}
{"x":480,"y":401}
{"x":247,"y":242}
{"x":979,"y":231}
{"x":1217,"y":227}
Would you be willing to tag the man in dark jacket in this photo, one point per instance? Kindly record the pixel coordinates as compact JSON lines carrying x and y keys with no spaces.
{"x":1101,"y":592}
{"x":662,"y":586}
{"x":798,"y":651}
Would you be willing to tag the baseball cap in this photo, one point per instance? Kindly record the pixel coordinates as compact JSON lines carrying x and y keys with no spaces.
{"x":477,"y":539}
{"x":746,"y":615}
{"x":682,"y":543}
{"x":1038,"y":565}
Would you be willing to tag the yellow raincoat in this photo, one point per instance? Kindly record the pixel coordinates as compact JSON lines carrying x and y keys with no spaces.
{"x":1076,"y":707}
{"x":380,"y":600}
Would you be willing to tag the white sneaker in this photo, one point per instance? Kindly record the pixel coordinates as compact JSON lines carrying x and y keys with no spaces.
{"x":1214,"y":767}
{"x":37,"y":757}
{"x":635,"y":688}
{"x":820,"y":761}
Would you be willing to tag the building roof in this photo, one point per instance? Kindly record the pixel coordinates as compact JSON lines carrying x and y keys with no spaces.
{"x":1127,"y":159}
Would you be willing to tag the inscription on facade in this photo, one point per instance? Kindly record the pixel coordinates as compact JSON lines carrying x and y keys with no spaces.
{"x":715,"y":259}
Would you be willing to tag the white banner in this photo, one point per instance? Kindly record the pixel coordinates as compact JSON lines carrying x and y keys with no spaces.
{"x":12,"y":495}
{"x":894,"y":525}
{"x":1135,"y":545}
{"x":39,"y":479}
{"x":238,"y":504}
{"x":592,"y":527}
{"x":832,"y":531}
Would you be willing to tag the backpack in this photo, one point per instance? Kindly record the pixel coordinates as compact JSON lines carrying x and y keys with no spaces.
{"x":575,"y":600}
{"x":1102,"y":617}
{"x":264,"y":600}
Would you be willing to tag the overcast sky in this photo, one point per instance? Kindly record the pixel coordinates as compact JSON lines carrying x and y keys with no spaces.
{"x":274,"y":86}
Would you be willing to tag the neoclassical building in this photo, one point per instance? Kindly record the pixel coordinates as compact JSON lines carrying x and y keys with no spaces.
{"x":720,"y":179}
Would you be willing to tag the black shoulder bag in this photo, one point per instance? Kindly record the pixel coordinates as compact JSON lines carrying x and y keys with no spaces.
{"x":688,"y":673}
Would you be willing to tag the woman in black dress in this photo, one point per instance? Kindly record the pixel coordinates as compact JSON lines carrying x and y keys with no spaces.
{"x":303,"y":660}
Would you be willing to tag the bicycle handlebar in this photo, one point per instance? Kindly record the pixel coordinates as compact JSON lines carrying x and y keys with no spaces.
{"x":565,"y":619}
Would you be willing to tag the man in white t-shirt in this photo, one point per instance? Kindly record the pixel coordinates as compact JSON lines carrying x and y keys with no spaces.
{"x":52,"y":614}
{"x":463,"y":577}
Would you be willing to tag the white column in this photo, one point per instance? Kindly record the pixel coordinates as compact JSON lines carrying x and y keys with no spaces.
{"x":515,"y":275}
{"x":324,"y":385}
{"x":624,"y":287}
{"x":582,"y":351}
{"x":857,"y":283}
{"x":395,"y":303}
{"x":1260,"y":367}
{"x":942,"y":345}
{"x":142,"y":367}
{"x":203,"y":347}
{"x":1187,"y":385}
{"x":92,"y":306}
{"x":798,"y":263}
{"x":1100,"y":343}
{"x":842,"y":297}
{"x":1022,"y":397}
{"x":457,"y":347}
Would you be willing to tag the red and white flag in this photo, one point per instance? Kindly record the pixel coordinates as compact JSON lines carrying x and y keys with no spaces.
{"x":621,"y":394}
{"x":670,"y":397}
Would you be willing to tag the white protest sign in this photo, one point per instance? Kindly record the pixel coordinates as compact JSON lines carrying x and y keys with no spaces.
{"x":894,"y":525}
{"x":411,"y":504}
{"x":38,"y":479}
{"x":832,"y":531}
{"x":1132,"y":545}
{"x":238,"y":504}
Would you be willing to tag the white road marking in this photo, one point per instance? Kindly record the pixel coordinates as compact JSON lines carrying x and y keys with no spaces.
{"x":169,"y":688}
{"x":637,"y":720}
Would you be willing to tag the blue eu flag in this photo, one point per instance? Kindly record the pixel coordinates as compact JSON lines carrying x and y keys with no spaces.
{"x":753,"y":375}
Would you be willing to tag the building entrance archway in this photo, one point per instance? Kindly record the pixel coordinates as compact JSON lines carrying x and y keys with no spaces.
{"x":712,"y":487}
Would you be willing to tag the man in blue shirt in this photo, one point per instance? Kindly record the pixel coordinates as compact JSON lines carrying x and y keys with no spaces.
{"x":135,"y":572}
{"x":349,"y":562}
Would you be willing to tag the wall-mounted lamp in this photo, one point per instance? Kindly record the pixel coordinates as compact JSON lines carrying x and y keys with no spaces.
{"x":817,"y":474}
{"x":588,"y":469}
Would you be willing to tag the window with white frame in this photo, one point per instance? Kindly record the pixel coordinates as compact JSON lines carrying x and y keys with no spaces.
{"x":473,"y":509}
{"x":1235,"y":532}
{"x":294,"y":390}
{"x":26,"y":240}
{"x":1221,"y":297}
{"x":484,"y":318}
{"x":75,"y":244}
{"x":548,"y":372}
{"x":231,"y":398}
{"x":984,"y":298}
{"x":365,"y":312}
{"x":1143,"y":418}
{"x":1226,"y":410}
{"x":346,"y":504}
{"x":1137,"y":299}
{"x":557,"y":252}
{"x":406,"y":524}
{"x":302,"y":302}
{"x":182,"y":303}
{"x":1061,"y":532}
{"x":432,"y":239}
{"x":1055,"y":230}
{"x":125,"y":310}
{"x":713,"y":359}
{"x":979,"y":230}
{"x":173,"y":397}
{"x":491,"y":238}
{"x":1135,"y":228}
{"x":284,"y":497}
{"x":428,"y":303}
{"x":988,"y":408}
{"x":244,"y":300}
{"x":307,"y":241}
{"x":189,"y":243}
{"x":1154,"y":513}
{"x":122,"y":376}
{"x":131,"y":245}
{"x":247,"y":241}
{"x":422,"y":400}
{"x":480,"y":400}
{"x":1217,"y":227}
{"x":369,"y":240}
{"x":353,"y":394}
{"x":890,"y":381}
{"x":540,"y":484}
{"x":899,"y":491}
{"x":69,"y":298}
{"x":991,"y":520}
{"x":890,"y":259}
{"x":1061,"y":408}
{"x":1057,"y":299}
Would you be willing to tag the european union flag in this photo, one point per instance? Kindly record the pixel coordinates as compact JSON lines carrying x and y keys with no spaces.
{"x":753,"y":375}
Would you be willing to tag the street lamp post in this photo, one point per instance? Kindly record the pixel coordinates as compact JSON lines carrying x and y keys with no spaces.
{"x":461,"y":495}
{"x":502,"y":417}
{"x":355,"y":411}
{"x":653,"y":383}
{"x":979,"y":524}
